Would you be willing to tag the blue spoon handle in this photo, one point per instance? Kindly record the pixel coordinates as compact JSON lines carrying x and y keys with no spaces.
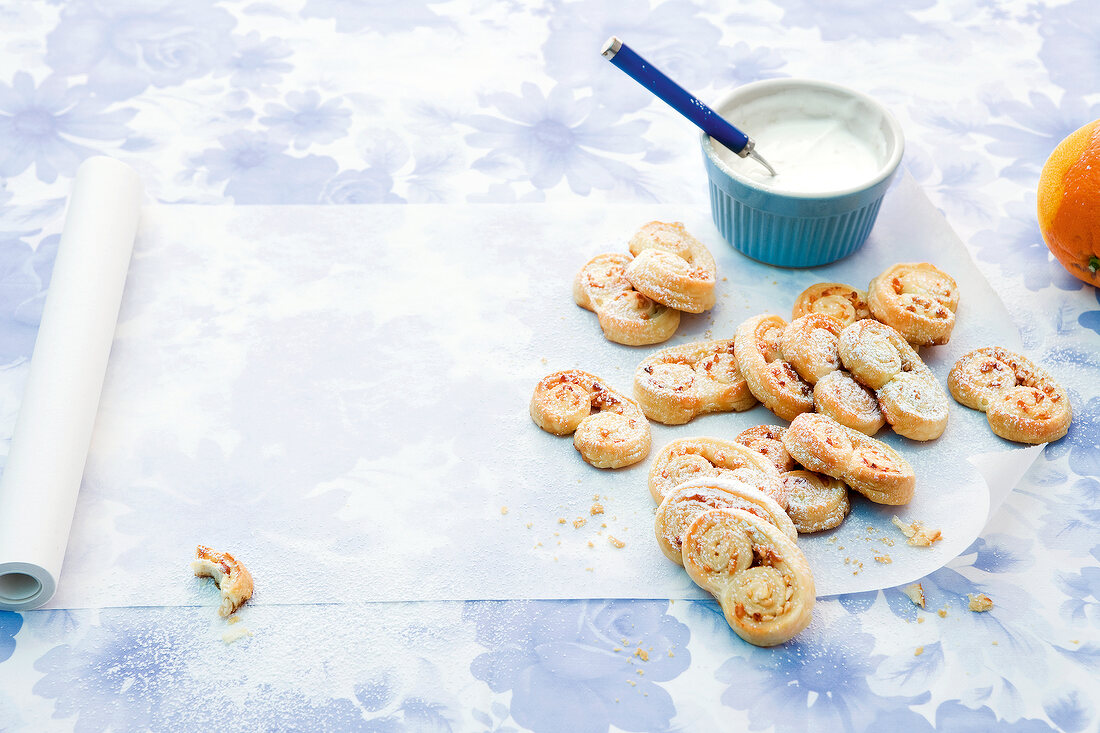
{"x":676,"y":96}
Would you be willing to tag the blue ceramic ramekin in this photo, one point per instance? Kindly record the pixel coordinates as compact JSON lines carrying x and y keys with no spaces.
{"x":798,"y":229}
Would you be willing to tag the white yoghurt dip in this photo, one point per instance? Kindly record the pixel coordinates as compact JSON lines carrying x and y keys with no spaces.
{"x":816,"y":141}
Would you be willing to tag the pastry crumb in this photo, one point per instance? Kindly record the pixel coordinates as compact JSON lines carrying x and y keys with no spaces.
{"x":980,"y":602}
{"x":942,"y":612}
{"x":235,"y":634}
{"x":641,"y":654}
{"x":615,"y":542}
{"x":884,"y":559}
{"x":579,"y":522}
{"x":561,"y":520}
{"x":591,"y":543}
{"x":918,"y":651}
{"x":503,"y":510}
{"x":915,"y":593}
{"x":918,"y":535}
{"x":529,"y":525}
{"x":920,"y":619}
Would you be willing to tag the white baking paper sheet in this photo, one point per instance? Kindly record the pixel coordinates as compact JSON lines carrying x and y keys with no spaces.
{"x":339,"y":397}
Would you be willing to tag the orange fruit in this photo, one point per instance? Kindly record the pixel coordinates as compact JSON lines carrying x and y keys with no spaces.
{"x":1069,"y":203}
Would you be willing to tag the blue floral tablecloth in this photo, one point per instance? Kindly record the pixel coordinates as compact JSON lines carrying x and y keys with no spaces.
{"x":333,"y":102}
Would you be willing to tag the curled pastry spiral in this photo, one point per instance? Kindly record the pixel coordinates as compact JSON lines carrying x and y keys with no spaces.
{"x":767,"y":440}
{"x":680,"y":508}
{"x":915,"y":405}
{"x":693,"y":458}
{"x":232,"y":578}
{"x":609,"y":430}
{"x":771,"y":378}
{"x":841,"y":302}
{"x":867,"y":465}
{"x":672,"y":267}
{"x":815,"y":502}
{"x":676,"y":384}
{"x":809,"y":343}
{"x":845,"y":400}
{"x":1021,"y":401}
{"x":917,"y":299}
{"x":910,"y":398}
{"x":625,"y":315}
{"x":757,"y":573}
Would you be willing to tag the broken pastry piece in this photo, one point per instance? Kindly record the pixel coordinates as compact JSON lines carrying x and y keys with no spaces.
{"x":231,"y":577}
{"x":979,"y":603}
{"x":915,"y":592}
{"x":918,"y":535}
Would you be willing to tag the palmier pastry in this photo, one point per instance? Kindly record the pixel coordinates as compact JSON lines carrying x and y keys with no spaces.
{"x":815,"y":502}
{"x":672,"y":267}
{"x":771,"y":378}
{"x":625,"y":315}
{"x":809,"y":344}
{"x":678,"y":383}
{"x":869,"y":466}
{"x":232,"y":578}
{"x":609,"y":430}
{"x":845,"y":400}
{"x":918,"y":300}
{"x":768,"y":441}
{"x":691,"y":498}
{"x":842,"y":302}
{"x":910,"y":398}
{"x":759,"y":576}
{"x":1022,"y":402}
{"x":691,"y":458}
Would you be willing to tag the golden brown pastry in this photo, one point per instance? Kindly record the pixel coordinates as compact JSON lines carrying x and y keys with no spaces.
{"x":609,"y":430}
{"x":918,"y":300}
{"x":815,"y":502}
{"x":691,"y":498}
{"x":672,"y":267}
{"x":845,"y":400}
{"x":809,"y":343}
{"x":841,"y":302}
{"x":757,"y":573}
{"x":910,"y":398}
{"x":771,"y":378}
{"x":1022,"y":402}
{"x":625,"y":315}
{"x":869,"y":466}
{"x":768,"y":441}
{"x":232,"y":578}
{"x":676,"y":384}
{"x":691,"y":458}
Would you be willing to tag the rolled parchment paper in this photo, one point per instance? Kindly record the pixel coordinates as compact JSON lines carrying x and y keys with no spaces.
{"x":49,"y":447}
